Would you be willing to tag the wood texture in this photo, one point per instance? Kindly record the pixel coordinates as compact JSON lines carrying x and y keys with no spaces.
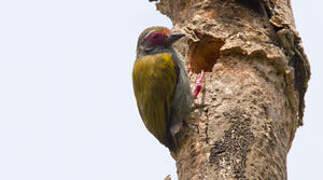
{"x":245,"y":119}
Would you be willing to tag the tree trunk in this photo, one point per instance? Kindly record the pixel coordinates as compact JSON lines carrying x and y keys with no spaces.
{"x":252,"y":102}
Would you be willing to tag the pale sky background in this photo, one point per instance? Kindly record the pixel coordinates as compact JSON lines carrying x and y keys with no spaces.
{"x":67,"y":109}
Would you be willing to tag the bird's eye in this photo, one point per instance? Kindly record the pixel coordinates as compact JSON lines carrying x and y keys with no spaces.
{"x":156,"y":36}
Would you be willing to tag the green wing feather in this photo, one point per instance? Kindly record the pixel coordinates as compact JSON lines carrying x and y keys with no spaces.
{"x":154,"y":81}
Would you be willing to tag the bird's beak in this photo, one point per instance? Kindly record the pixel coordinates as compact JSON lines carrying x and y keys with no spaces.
{"x":174,"y":36}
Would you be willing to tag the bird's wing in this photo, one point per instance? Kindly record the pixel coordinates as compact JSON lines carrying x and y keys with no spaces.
{"x":154,"y":81}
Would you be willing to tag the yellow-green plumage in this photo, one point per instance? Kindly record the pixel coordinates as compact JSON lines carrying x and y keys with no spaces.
{"x":161,"y":85}
{"x":154,"y":81}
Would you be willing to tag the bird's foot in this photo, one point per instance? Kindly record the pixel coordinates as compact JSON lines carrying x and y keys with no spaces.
{"x":198,"y":84}
{"x":188,"y":68}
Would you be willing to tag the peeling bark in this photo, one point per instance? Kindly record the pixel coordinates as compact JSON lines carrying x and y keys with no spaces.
{"x":245,"y":120}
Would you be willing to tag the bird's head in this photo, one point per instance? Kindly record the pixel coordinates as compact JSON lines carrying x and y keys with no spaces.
{"x":156,"y":40}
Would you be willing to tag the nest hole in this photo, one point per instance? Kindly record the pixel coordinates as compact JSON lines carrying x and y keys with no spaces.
{"x":202,"y":55}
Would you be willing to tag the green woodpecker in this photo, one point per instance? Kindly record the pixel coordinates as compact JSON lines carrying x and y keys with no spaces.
{"x":161,"y":85}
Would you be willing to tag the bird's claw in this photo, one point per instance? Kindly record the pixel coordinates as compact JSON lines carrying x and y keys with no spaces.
{"x":198,"y":84}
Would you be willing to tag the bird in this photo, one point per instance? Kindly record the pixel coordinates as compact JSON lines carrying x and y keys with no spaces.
{"x":161,"y":84}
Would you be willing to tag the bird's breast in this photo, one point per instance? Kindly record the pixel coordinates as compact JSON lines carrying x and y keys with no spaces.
{"x":154,"y":81}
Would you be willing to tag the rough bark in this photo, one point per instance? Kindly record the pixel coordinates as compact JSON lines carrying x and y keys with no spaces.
{"x":244,"y":121}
